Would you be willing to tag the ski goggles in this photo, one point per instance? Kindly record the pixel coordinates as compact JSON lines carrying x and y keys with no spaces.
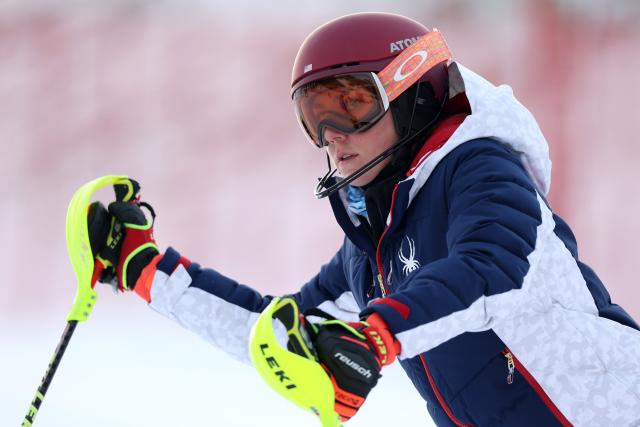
{"x":356,"y":101}
{"x":348,"y":103}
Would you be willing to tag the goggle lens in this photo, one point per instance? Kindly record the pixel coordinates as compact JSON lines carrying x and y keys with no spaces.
{"x":348,"y":103}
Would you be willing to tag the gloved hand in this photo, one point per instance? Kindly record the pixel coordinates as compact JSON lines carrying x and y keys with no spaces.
{"x":121,"y":238}
{"x":353,"y":355}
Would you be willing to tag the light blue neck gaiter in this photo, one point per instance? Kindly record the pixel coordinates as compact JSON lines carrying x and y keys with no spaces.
{"x":355,"y":200}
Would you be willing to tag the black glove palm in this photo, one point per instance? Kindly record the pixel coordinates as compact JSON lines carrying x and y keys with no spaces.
{"x":353,"y":355}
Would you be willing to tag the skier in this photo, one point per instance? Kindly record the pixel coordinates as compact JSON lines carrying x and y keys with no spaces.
{"x":453,"y":261}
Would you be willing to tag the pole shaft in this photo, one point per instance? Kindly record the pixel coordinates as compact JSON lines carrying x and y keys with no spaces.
{"x":51,"y":371}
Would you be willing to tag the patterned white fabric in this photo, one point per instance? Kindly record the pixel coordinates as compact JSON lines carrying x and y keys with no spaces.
{"x":220,"y":323}
{"x":496,"y":114}
{"x":344,"y":307}
{"x":588,"y":365}
{"x":165,"y":290}
{"x":226,"y":326}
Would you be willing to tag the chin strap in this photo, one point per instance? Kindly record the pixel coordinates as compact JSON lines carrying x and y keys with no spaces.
{"x":325,"y":186}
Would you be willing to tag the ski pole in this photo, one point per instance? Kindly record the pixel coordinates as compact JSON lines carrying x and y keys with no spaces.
{"x":293,"y":372}
{"x":48,"y":376}
{"x":81,"y":257}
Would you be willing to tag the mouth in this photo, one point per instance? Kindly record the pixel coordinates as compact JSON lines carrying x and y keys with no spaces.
{"x":345,"y":158}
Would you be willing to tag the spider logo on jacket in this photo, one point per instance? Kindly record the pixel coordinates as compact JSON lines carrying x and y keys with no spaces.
{"x":409,"y":264}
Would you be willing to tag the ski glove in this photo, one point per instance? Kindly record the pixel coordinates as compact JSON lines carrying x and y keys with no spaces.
{"x":121,"y":238}
{"x":352,"y":354}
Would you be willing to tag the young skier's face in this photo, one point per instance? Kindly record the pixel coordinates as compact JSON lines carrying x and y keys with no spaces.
{"x":350,"y":151}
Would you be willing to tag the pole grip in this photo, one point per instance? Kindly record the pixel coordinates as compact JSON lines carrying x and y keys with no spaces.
{"x":78,"y":244}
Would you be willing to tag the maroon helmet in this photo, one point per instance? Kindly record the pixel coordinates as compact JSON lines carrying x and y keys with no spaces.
{"x":358,"y":42}
{"x":361,"y":43}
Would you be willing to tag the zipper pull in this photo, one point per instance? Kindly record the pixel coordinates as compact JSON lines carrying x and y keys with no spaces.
{"x":372,"y":289}
{"x":510,"y":367}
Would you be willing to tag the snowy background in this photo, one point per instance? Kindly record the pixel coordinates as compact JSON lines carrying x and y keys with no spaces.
{"x":192,"y":99}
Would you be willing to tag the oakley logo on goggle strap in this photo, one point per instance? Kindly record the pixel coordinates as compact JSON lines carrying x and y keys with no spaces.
{"x":407,"y":67}
{"x":398,"y":45}
{"x":413,"y":62}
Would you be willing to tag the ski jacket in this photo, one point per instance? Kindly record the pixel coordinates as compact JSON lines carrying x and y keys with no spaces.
{"x":500,"y":323}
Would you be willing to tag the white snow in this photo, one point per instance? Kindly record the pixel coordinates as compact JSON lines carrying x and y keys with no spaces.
{"x":128,"y":366}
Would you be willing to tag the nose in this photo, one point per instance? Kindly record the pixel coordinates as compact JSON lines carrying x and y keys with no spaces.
{"x":332,"y":136}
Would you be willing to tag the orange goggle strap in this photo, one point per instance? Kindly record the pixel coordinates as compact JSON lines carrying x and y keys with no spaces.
{"x":414,"y":62}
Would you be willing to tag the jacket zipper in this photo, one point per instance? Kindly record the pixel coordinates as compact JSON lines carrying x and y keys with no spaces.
{"x":384,"y":290}
{"x":443,"y":404}
{"x":513,"y":365}
{"x":510,"y":367}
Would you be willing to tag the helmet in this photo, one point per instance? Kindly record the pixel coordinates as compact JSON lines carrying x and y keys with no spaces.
{"x":357,"y":42}
{"x":368,"y":42}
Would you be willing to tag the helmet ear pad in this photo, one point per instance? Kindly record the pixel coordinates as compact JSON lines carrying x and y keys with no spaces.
{"x":421,"y":103}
